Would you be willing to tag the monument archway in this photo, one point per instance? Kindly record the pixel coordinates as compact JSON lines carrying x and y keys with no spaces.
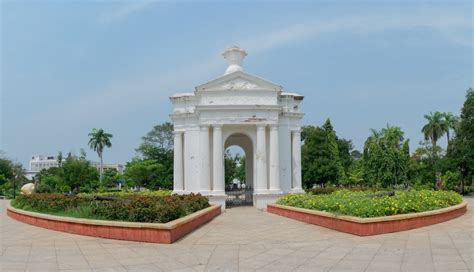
{"x":240,"y":192}
{"x":244,"y":110}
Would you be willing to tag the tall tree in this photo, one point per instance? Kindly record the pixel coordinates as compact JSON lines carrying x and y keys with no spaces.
{"x":435,"y":127}
{"x":320,"y":156}
{"x":386,"y":157}
{"x":451,"y":122}
{"x":98,"y":140}
{"x":157,"y":145}
{"x":462,"y":148}
{"x":333,"y":143}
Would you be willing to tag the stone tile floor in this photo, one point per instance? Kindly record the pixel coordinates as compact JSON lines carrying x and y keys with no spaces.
{"x":244,"y":239}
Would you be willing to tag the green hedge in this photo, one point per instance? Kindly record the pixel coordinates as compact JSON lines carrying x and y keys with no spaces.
{"x":329,"y":190}
{"x":368,"y":204}
{"x":133,"y":208}
{"x":48,"y":203}
{"x":130,"y":193}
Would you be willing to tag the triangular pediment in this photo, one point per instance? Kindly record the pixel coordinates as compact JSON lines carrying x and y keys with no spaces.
{"x":239,"y":81}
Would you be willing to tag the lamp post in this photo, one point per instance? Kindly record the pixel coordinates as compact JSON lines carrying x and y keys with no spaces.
{"x":14,"y":184}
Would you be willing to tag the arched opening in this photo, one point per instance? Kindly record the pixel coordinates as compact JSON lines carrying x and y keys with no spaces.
{"x":234,"y":167}
{"x":238,"y":169}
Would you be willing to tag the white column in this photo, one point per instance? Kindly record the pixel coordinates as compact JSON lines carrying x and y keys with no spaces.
{"x":296,"y":161}
{"x":178,"y":171}
{"x":218,"y":161}
{"x":274,"y":173}
{"x":261,"y":156}
{"x":205,"y":174}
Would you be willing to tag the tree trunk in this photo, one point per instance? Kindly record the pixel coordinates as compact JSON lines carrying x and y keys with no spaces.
{"x":101,"y":170}
{"x":447,"y":135}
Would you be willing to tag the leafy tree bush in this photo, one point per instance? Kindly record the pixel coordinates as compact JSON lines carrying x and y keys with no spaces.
{"x":79,"y":175}
{"x":322,"y":161}
{"x":386,"y":156}
{"x":12,"y":177}
{"x":157,"y":146}
{"x":461,"y":148}
{"x":451,"y":180}
{"x":111,"y":178}
{"x":147,"y":173}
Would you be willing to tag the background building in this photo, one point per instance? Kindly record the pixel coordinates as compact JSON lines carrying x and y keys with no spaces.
{"x":40,"y":162}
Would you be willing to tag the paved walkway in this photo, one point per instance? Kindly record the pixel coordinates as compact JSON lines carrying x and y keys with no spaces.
{"x":244,"y":239}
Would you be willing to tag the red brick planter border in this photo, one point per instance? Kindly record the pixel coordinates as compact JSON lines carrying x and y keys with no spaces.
{"x":165,"y":233}
{"x":369,"y":226}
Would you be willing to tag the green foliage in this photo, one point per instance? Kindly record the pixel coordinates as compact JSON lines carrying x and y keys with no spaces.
{"x":435,"y":128}
{"x":451,"y":180}
{"x":111,"y":178}
{"x":461,"y":148}
{"x":332,"y":189}
{"x":365,"y":204}
{"x":147,"y":173}
{"x":6,"y":170}
{"x":322,"y":161}
{"x":240,"y":171}
{"x":234,"y":167}
{"x":98,"y":140}
{"x":355,"y":174}
{"x":48,"y":202}
{"x":132,"y":207}
{"x":75,"y":174}
{"x":157,"y":145}
{"x":50,"y":184}
{"x":421,"y":165}
{"x":386,"y":157}
{"x":12,"y":177}
{"x":79,"y":175}
{"x":130,"y":193}
{"x":451,"y":122}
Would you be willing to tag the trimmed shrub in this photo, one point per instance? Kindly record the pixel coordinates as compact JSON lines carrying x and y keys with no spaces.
{"x":330,"y":190}
{"x":133,"y":208}
{"x":48,"y":202}
{"x":130,"y":193}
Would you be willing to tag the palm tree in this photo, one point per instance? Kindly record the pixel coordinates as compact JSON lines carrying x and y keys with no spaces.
{"x":98,"y":140}
{"x":435,"y":128}
{"x":451,"y":122}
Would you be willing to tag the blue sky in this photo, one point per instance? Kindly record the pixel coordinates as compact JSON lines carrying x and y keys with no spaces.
{"x":67,"y":67}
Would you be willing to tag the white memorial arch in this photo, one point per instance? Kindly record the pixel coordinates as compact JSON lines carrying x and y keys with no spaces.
{"x":244,"y":110}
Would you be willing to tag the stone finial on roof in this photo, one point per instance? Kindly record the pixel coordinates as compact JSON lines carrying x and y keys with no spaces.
{"x":234,"y":57}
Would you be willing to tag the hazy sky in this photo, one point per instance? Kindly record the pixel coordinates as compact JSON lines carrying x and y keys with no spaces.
{"x":70,"y":66}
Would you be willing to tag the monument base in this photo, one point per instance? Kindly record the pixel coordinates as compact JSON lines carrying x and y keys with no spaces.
{"x":218,"y":200}
{"x":261,"y":200}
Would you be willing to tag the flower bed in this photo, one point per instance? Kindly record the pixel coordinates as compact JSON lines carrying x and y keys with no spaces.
{"x":132,"y":208}
{"x":370,"y":204}
{"x":372,"y":213}
{"x":159,"y":219}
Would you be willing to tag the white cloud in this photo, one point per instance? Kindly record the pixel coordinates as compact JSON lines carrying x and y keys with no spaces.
{"x":124,"y":10}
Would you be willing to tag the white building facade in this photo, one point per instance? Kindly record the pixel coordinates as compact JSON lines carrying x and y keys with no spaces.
{"x":40,"y":162}
{"x":243,"y":110}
